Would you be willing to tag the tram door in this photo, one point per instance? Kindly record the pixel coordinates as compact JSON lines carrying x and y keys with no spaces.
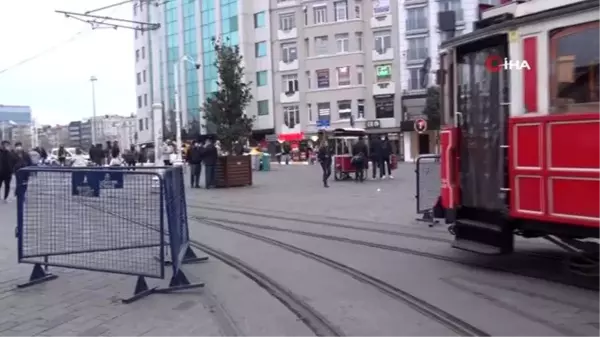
{"x":482,"y":129}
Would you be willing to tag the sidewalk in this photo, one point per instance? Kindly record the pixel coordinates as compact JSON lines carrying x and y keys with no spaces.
{"x":88,"y":303}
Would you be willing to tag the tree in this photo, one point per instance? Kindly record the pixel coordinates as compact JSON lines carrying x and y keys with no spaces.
{"x":224,"y":109}
{"x":432,"y":105}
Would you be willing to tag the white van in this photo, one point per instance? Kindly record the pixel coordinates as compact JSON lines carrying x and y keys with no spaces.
{"x":70,"y":152}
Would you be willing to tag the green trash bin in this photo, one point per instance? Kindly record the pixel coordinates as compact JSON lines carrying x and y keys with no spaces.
{"x":265,"y":162}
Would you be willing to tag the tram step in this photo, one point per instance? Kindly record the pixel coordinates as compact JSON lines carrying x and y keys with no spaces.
{"x":483,"y":238}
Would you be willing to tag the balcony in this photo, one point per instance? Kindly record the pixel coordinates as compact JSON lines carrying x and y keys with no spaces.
{"x":286,"y":3}
{"x":379,"y":55}
{"x":289,"y":97}
{"x":381,"y":21}
{"x":384,"y":88}
{"x":287,"y":34}
{"x":283,"y":66}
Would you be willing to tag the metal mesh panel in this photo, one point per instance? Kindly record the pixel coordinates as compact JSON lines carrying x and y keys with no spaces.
{"x":176,"y":207}
{"x":428,"y":182}
{"x":96,"y":219}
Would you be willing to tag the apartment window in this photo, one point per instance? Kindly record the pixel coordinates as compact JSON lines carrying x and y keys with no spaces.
{"x":306,"y":47}
{"x":287,"y":22}
{"x":305,"y":17}
{"x":417,"y":49}
{"x":261,"y":78}
{"x":342,"y":42}
{"x":136,"y":34}
{"x":141,"y":125}
{"x":452,"y":5}
{"x":263,"y":107}
{"x":260,"y":49}
{"x":147,"y":123}
{"x":135,"y":6}
{"x":341,"y":10}
{"x":309,"y":112}
{"x":143,"y":52}
{"x":137,"y":55}
{"x":383,"y":41}
{"x":416,"y":18}
{"x":320,"y":14}
{"x":357,"y":9}
{"x":289,"y":52}
{"x":139,"y":101}
{"x":344,"y":109}
{"x":291,"y":116}
{"x":359,"y":41}
{"x":307,"y":76}
{"x":321,"y":45}
{"x":145,"y":99}
{"x":360,"y":71}
{"x":361,"y":108}
{"x":144,"y":76}
{"x":322,"y":78}
{"x":259,"y":19}
{"x":290,"y":84}
{"x":324,"y":111}
{"x":415,"y":79}
{"x":384,"y":106}
{"x":343,"y":76}
{"x":139,"y":78}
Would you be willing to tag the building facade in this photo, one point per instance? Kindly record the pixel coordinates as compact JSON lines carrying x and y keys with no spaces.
{"x":74,"y":129}
{"x":126,"y":131}
{"x":187,"y":30}
{"x":335,"y":66}
{"x":420,"y":36}
{"x":15,"y":114}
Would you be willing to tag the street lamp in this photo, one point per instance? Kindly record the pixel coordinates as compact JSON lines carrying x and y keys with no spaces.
{"x":93,"y":79}
{"x":176,"y":65}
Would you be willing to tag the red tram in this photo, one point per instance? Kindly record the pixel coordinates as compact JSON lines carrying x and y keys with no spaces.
{"x":520,"y":150}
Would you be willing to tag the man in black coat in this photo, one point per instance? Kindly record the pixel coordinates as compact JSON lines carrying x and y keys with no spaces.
{"x":386,"y":152}
{"x":375,"y":154}
{"x":194,"y":158}
{"x":7,"y":162}
{"x":210,"y":158}
{"x":359,"y":158}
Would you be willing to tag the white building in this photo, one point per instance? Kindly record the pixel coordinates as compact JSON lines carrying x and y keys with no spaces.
{"x":126,"y":132}
{"x":420,"y":35}
{"x":187,"y":29}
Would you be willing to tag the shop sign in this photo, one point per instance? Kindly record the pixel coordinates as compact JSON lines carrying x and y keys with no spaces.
{"x":373,"y":124}
{"x":420,"y":125}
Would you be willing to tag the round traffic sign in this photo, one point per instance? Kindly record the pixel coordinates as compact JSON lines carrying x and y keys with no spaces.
{"x":420,"y":125}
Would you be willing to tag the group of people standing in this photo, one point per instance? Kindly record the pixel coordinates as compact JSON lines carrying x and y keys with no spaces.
{"x":378,"y":152}
{"x":11,"y":160}
{"x":198,"y":154}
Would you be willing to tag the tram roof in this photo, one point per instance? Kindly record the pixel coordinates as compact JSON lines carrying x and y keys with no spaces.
{"x":504,"y":27}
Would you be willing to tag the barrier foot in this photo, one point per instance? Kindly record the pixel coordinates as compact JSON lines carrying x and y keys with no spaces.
{"x":428,"y":218}
{"x":38,"y":275}
{"x":179,"y":282}
{"x":141,"y":290}
{"x":191,"y":257}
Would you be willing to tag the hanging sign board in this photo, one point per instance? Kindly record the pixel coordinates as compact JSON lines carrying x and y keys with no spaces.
{"x":420,"y":125}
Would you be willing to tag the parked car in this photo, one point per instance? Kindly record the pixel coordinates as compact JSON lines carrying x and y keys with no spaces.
{"x":70,"y":151}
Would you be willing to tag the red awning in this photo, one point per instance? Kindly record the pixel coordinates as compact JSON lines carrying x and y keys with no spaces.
{"x":291,"y":137}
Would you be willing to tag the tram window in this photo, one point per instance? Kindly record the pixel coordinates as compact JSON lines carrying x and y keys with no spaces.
{"x":575,"y":71}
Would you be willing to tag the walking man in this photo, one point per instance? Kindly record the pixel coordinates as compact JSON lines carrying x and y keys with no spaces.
{"x":324,"y":156}
{"x":210,"y":158}
{"x":194,"y":157}
{"x":6,"y":168}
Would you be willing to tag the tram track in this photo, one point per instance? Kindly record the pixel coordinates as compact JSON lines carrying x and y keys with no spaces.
{"x":403,"y":250}
{"x":453,"y":323}
{"x":327,"y":223}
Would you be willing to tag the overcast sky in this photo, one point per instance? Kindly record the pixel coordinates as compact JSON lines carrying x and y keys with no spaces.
{"x":56,"y":85}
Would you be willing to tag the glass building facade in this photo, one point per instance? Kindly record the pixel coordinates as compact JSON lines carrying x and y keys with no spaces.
{"x":191,"y":49}
{"x":171,"y":27}
{"x":209,"y":31}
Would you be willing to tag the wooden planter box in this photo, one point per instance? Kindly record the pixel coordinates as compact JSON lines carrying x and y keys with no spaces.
{"x":234,"y":171}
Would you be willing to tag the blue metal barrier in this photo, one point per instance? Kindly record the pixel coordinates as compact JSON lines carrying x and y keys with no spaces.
{"x":104,"y":219}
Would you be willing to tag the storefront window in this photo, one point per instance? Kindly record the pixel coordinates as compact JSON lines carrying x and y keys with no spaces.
{"x":384,"y":106}
{"x":574,"y":68}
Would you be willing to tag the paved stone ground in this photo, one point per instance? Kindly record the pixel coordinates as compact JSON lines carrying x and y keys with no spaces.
{"x":88,"y":303}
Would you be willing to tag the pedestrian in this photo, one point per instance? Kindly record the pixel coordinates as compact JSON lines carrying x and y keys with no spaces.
{"x":386,"y":152}
{"x":359,"y":155}
{"x":6,"y":168}
{"x":78,"y":159}
{"x":62,"y":155}
{"x":324,"y":156}
{"x":21,"y":160}
{"x":96,"y":154}
{"x":210,"y":158}
{"x":375,"y":155}
{"x":35,"y":156}
{"x":194,"y":157}
{"x":287,"y":150}
{"x":44,"y":155}
{"x":130,"y":156}
{"x":107,"y":152}
{"x":167,"y":151}
{"x":115,"y":150}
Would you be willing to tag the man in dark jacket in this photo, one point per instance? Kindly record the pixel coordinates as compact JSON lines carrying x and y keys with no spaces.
{"x":62,"y":155}
{"x":359,"y":157}
{"x":375,"y":154}
{"x":194,"y":157}
{"x":210,"y":158}
{"x":96,"y":154}
{"x":324,"y":156}
{"x":6,"y":167}
{"x":21,"y":160}
{"x":386,"y":152}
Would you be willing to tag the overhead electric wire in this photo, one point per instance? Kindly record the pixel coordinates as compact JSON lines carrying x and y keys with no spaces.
{"x":53,"y":48}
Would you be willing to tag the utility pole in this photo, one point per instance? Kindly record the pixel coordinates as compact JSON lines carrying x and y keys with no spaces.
{"x":93,"y":79}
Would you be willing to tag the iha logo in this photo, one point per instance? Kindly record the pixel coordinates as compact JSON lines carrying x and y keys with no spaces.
{"x":495,"y":63}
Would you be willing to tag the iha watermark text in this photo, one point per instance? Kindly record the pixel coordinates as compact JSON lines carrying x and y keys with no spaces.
{"x":495,"y":63}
